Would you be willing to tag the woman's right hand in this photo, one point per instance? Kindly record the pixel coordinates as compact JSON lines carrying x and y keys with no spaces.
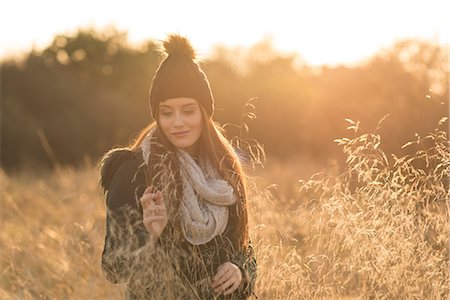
{"x":154,"y":212}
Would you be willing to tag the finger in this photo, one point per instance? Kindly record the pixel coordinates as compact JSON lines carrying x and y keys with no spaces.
{"x":144,"y":202}
{"x":232,"y":288}
{"x":154,"y":210}
{"x":149,"y":189}
{"x":153,"y":206}
{"x":220,"y":271}
{"x":150,"y":209}
{"x":159,"y":198}
{"x":225,"y":285}
{"x":151,"y":219}
{"x":160,"y":211}
{"x":219,"y":281}
{"x":146,"y":199}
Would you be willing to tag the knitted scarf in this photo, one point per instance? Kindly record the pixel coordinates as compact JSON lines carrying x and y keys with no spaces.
{"x":205,"y":197}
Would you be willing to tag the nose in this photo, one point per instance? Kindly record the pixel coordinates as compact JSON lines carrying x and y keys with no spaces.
{"x":178,"y":120}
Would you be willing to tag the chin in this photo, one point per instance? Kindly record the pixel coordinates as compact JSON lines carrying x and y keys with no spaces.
{"x":181,"y":146}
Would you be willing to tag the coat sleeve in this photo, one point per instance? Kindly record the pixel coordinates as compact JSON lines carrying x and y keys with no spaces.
{"x":246,"y":261}
{"x":126,"y":237}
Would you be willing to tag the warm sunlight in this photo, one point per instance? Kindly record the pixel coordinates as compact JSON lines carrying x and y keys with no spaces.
{"x":234,"y":149}
{"x":322,"y":32}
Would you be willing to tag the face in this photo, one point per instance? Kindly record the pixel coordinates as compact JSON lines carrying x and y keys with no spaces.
{"x":181,"y":121}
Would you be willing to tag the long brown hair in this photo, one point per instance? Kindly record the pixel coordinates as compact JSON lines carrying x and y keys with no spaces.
{"x":214,"y":147}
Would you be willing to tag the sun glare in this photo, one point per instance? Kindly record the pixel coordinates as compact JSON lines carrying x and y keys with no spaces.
{"x":322,"y":32}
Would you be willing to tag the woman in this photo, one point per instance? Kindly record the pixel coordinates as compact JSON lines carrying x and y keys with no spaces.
{"x":177,"y":222}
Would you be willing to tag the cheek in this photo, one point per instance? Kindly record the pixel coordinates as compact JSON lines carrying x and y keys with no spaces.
{"x":164,"y":124}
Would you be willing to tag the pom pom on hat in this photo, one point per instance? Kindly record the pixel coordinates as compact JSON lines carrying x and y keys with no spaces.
{"x":176,"y":44}
{"x":180,"y":76}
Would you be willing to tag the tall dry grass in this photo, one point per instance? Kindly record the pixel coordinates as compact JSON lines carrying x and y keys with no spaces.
{"x":376,"y":229}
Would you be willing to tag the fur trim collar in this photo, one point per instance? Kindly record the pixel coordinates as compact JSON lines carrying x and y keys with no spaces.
{"x":109,"y":164}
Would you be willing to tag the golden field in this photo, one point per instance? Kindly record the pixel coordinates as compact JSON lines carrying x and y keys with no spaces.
{"x":374,"y":228}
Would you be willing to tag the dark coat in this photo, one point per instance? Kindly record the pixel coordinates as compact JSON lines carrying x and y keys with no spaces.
{"x":169,"y":270}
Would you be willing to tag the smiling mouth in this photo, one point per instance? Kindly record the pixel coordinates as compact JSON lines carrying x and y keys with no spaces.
{"x":181,"y":133}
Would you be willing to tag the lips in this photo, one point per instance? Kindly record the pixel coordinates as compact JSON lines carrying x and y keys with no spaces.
{"x":180,"y":134}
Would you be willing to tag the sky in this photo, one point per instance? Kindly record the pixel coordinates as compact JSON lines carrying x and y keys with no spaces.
{"x":320,"y":31}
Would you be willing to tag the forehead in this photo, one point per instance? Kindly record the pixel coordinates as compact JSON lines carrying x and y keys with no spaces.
{"x":178,"y":102}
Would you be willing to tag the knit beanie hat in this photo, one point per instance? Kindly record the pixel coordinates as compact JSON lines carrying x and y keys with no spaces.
{"x":179,"y":75}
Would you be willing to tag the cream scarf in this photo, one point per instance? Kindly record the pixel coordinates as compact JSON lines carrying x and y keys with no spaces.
{"x":205,"y":200}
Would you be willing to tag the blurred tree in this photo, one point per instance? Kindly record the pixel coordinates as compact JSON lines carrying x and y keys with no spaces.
{"x":85,"y":93}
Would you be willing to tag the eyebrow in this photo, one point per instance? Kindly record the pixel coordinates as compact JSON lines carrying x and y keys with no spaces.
{"x":183,"y":106}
